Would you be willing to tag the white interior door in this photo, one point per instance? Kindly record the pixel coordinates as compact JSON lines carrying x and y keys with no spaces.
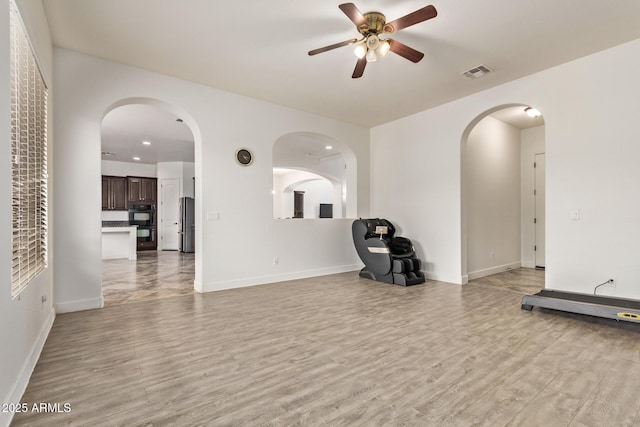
{"x":170,"y":213}
{"x":540,"y":209}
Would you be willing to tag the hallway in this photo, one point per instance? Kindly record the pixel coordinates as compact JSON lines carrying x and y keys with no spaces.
{"x":156,"y":274}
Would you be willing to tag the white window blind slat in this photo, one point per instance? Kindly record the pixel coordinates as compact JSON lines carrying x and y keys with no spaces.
{"x":28,"y":102}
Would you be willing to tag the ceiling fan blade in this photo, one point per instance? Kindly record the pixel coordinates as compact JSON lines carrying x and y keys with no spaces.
{"x":413,"y":18}
{"x":331,"y":47}
{"x":359,"y":71}
{"x":353,"y":13}
{"x":405,"y":51}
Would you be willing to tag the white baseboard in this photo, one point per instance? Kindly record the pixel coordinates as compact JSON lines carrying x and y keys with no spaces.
{"x":528,"y":264}
{"x":197,"y":286}
{"x":28,"y":367}
{"x":263,"y":280}
{"x":432,"y":276}
{"x":80,"y":305}
{"x":493,"y":270}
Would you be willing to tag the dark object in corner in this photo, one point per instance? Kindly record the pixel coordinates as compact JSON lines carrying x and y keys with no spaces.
{"x":387,"y":258}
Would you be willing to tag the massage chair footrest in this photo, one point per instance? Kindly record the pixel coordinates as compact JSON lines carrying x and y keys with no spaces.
{"x":402,"y":279}
{"x":408,"y":279}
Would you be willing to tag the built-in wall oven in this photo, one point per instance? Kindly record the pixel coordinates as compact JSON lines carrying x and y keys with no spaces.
{"x":144,"y":216}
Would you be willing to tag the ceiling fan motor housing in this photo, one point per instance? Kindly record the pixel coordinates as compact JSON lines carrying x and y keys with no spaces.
{"x":375,"y":23}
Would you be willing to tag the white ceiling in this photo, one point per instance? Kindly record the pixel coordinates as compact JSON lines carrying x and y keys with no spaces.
{"x":125,"y":128}
{"x":259,"y":48}
{"x":516,"y":117}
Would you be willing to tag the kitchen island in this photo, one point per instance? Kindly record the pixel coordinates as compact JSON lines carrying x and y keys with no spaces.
{"x":119,"y":242}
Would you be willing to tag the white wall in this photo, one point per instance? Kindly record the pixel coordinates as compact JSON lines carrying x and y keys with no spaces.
{"x":113,"y":168}
{"x":532,"y":143}
{"x":589,"y":106}
{"x":492,"y":174}
{"x":240,"y":195}
{"x":25,"y":320}
{"x":188,"y":182}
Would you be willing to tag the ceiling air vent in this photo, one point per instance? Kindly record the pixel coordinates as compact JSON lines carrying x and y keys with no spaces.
{"x":476,"y":72}
{"x":108,"y":153}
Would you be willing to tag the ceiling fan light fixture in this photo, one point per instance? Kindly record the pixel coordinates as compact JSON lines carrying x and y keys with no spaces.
{"x":373,"y":41}
{"x":371,"y":55}
{"x":384,"y":47}
{"x":360,"y":51}
{"x":532,"y":112}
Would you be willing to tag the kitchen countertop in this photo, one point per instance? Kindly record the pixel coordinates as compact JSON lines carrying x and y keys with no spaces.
{"x":106,"y":224}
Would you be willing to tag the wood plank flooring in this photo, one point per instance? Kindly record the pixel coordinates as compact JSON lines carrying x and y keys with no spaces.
{"x":156,"y":274}
{"x":340,"y":350}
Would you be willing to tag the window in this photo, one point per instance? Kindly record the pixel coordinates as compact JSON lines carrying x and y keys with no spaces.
{"x":28,"y":159}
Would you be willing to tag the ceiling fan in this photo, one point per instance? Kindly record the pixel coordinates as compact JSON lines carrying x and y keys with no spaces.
{"x":373,"y":24}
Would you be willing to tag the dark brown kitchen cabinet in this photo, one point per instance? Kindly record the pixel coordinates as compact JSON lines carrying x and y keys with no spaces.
{"x":114,"y":190}
{"x":141,"y":190}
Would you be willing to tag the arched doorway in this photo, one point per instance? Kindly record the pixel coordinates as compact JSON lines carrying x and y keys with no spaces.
{"x":502,"y":215}
{"x":148,"y":152}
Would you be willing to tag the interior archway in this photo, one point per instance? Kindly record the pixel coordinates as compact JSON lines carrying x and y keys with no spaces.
{"x":318,"y":190}
{"x":307,"y":152}
{"x":497,"y":191}
{"x":168,"y":158}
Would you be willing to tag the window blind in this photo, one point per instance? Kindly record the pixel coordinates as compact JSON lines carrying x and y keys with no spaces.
{"x":28,"y":159}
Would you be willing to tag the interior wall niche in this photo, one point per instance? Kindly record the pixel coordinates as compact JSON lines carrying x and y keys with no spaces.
{"x":318,"y":167}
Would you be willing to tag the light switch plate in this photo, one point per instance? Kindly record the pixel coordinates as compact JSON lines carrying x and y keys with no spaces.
{"x":213,"y":216}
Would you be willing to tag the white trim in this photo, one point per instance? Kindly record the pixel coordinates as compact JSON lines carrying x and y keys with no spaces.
{"x":494,"y":270}
{"x":431,"y":276}
{"x":376,"y":250}
{"x":263,"y":280}
{"x":80,"y":305}
{"x":197,"y":286}
{"x":27,"y":369}
{"x":528,"y":264}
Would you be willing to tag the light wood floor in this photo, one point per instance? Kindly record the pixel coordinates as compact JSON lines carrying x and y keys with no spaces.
{"x":156,"y":274}
{"x":340,"y":350}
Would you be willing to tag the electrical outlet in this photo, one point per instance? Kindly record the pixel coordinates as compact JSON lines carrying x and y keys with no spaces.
{"x":276,"y":260}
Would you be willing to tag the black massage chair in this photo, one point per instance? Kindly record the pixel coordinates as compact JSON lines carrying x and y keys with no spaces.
{"x":387,"y":258}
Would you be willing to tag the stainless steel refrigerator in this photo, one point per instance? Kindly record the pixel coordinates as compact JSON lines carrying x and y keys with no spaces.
{"x":187,"y":225}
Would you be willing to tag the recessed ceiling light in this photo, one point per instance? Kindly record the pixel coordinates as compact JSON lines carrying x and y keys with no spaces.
{"x":328,"y":147}
{"x":136,"y":158}
{"x":146,"y":143}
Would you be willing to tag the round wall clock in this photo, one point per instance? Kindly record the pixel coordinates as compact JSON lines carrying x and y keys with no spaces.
{"x":244,"y":157}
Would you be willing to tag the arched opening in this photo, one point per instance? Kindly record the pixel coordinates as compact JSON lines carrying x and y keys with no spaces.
{"x":502,"y":192}
{"x":148,"y":193}
{"x":319,"y":194}
{"x":325,"y":168}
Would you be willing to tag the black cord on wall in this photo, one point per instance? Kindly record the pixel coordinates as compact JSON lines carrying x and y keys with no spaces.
{"x":602,"y":284}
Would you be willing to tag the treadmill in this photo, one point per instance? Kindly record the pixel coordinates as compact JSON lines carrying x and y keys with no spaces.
{"x":591,"y":305}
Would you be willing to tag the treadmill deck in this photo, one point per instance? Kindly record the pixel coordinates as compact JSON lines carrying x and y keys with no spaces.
{"x":591,"y":305}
